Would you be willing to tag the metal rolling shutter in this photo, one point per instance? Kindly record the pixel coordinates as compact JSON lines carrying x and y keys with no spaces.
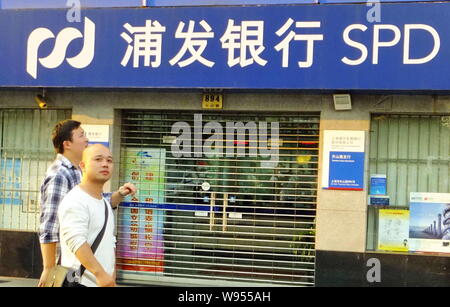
{"x":218,"y":220}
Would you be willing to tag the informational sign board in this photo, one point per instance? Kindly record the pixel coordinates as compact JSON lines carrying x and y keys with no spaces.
{"x":378,"y":184}
{"x":429,"y":227}
{"x":343,"y":160}
{"x":97,"y":134}
{"x":393,"y":230}
{"x":140,"y":236}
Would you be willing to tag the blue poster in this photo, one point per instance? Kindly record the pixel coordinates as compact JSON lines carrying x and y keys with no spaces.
{"x":343,"y":156}
{"x":378,"y":185}
{"x":345,"y":170}
{"x":10,"y":182}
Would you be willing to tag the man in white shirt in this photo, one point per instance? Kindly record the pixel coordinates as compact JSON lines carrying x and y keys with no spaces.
{"x":69,"y":141}
{"x":81,"y":215}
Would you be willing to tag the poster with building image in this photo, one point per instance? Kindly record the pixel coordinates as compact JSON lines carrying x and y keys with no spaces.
{"x":429,"y":228}
{"x":140,"y":225}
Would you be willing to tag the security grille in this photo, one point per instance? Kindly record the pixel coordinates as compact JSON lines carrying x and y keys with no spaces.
{"x":233,"y":214}
{"x":413,"y":151}
{"x":26,"y":152}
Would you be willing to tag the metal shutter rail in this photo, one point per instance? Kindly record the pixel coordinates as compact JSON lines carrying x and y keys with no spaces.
{"x":26,"y":152}
{"x":254,"y":225}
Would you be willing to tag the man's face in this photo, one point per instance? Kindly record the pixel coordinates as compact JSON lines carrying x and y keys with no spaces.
{"x":97,"y":163}
{"x":79,"y":141}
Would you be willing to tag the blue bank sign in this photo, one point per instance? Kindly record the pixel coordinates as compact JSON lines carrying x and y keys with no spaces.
{"x":37,"y":4}
{"x":279,"y":47}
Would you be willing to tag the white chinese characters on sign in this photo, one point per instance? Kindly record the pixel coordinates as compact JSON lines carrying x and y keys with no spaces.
{"x":244,"y":42}
{"x":146,"y":42}
{"x":248,"y":36}
{"x":194,"y":42}
{"x":309,"y":38}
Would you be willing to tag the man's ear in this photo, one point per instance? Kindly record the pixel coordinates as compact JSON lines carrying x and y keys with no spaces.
{"x":82,"y":166}
{"x":67,"y":145}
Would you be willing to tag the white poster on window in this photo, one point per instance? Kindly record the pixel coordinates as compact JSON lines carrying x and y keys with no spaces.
{"x":393,"y":227}
{"x":97,"y":134}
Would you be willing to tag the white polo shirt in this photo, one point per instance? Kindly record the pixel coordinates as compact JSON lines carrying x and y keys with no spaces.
{"x":81,"y":218}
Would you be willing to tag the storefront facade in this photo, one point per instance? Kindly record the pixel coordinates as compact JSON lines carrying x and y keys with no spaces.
{"x":227,"y":141}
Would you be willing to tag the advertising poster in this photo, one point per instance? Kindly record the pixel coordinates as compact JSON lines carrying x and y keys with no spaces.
{"x":10,"y":182}
{"x":343,"y":157}
{"x":140,"y":236}
{"x":429,"y":228}
{"x":393,"y":230}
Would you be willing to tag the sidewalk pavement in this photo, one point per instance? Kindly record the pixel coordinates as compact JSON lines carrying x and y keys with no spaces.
{"x":6,"y":281}
{"x":17,"y":282}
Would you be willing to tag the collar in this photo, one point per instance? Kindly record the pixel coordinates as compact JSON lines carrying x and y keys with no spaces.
{"x":64,"y":161}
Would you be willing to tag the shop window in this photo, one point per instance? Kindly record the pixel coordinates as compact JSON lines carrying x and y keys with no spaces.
{"x":26,"y":152}
{"x":409,"y":183}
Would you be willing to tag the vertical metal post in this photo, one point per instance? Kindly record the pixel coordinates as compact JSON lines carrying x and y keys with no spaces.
{"x":212,"y":204}
{"x":224,"y":212}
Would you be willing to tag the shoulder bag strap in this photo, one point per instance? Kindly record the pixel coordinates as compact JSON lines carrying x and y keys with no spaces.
{"x":98,"y":239}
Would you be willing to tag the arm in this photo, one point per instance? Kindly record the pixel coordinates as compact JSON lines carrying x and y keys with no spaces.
{"x":48,"y":255}
{"x":52,"y":192}
{"x":88,"y":260}
{"x":48,"y":251}
{"x":118,"y":196}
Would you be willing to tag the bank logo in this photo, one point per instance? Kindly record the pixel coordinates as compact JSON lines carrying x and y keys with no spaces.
{"x":62,"y":41}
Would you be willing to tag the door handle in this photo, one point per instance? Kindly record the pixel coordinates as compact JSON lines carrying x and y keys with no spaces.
{"x":224,"y":212}
{"x":212,"y":205}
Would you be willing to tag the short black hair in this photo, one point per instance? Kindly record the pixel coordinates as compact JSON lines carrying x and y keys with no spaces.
{"x":63,"y":132}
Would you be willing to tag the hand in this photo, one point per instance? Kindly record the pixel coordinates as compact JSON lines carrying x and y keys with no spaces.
{"x":44,"y":277}
{"x":127,"y":189}
{"x":105,"y":280}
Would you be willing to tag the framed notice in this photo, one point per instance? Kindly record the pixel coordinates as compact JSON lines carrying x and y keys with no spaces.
{"x":343,"y":160}
{"x":393,"y":230}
